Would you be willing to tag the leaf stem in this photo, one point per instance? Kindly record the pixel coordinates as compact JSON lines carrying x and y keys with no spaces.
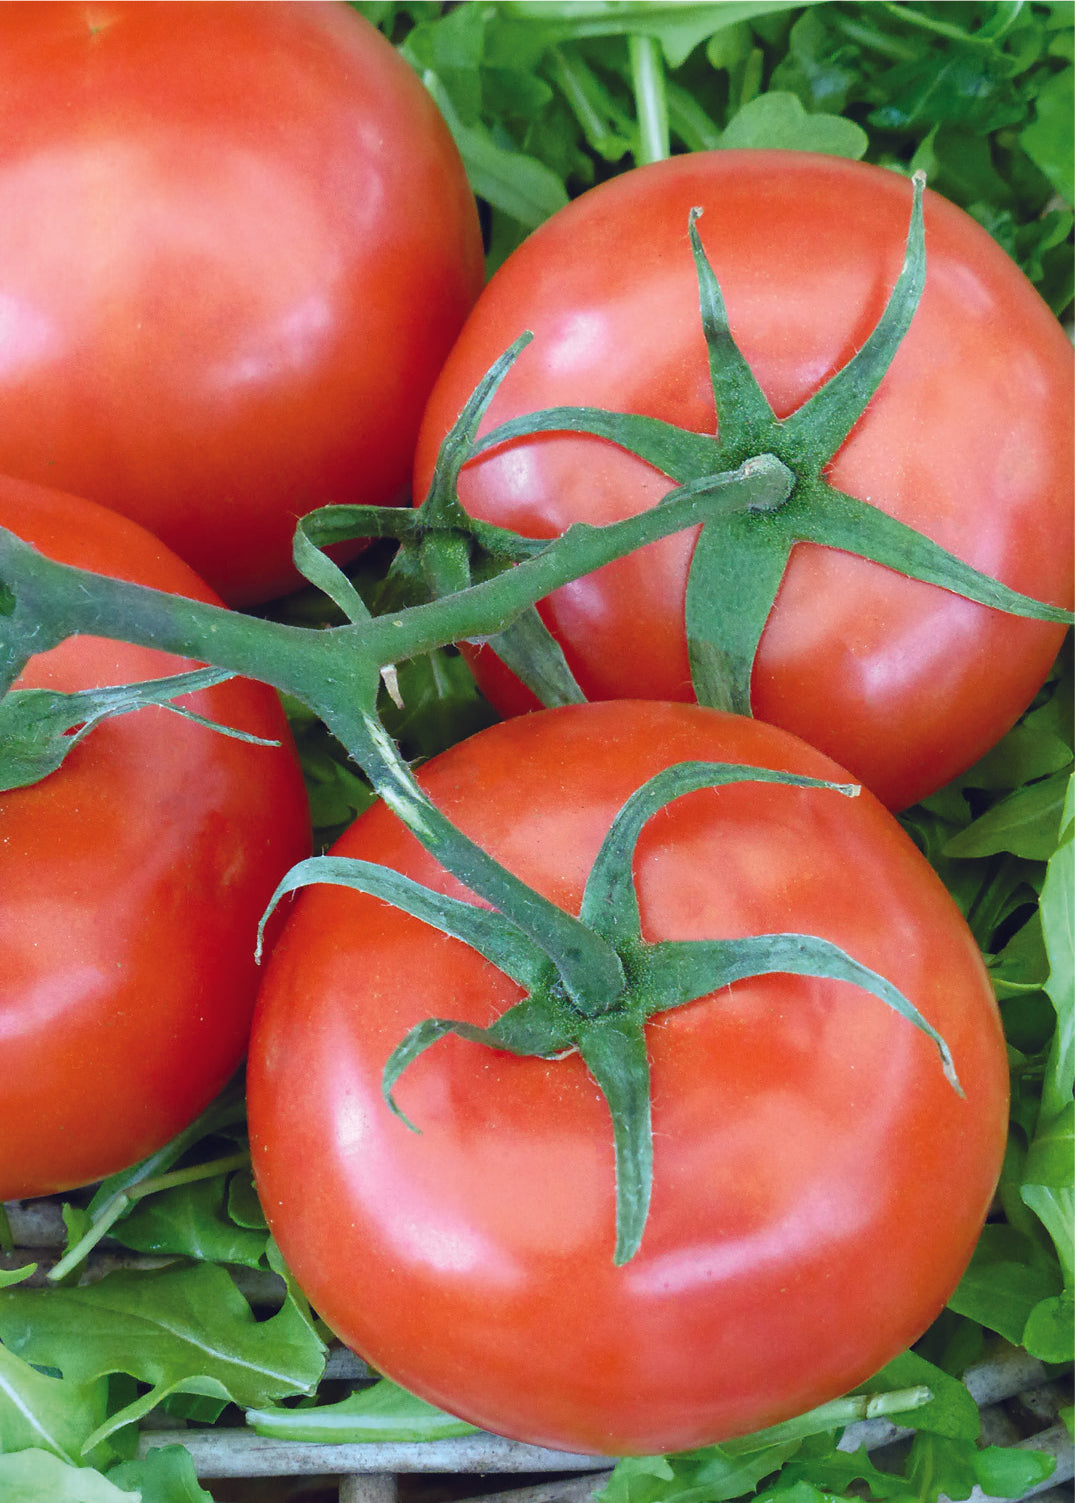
{"x":117,"y":1206}
{"x":647,"y":78}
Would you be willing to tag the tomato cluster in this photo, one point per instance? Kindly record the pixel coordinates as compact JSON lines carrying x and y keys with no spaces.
{"x":237,"y":250}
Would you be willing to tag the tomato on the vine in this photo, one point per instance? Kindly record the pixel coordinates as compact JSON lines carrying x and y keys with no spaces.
{"x":133,"y":878}
{"x":236,"y":244}
{"x":968,"y":440}
{"x":818,"y":1184}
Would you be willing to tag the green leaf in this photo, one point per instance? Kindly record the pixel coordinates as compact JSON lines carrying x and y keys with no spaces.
{"x":1010,"y":1471}
{"x":244,"y":1207}
{"x":46,"y":1413}
{"x":166,"y":1475}
{"x":1058,"y":929}
{"x":1050,"y":1329}
{"x":1055,"y":1207}
{"x":192,"y":1221}
{"x":179,"y":1329}
{"x":39,"y":1477}
{"x":1021,"y":967}
{"x":1026,"y":822}
{"x":382,"y":1412}
{"x":874,"y":1401}
{"x":833,"y":1475}
{"x":1004,"y":1283}
{"x":1047,"y":140}
{"x":951,"y":1411}
{"x":779,"y":121}
{"x":10,"y":1276}
{"x":732,"y":1469}
{"x":511,"y":181}
{"x":638,"y":1479}
{"x":516,"y":184}
{"x":940,"y":1465}
{"x":1026,"y":753}
{"x":679,"y":25}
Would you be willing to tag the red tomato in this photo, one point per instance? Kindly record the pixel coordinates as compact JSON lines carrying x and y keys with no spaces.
{"x":969,"y":440}
{"x":818,"y":1184}
{"x":133,"y":879}
{"x":236,"y":243}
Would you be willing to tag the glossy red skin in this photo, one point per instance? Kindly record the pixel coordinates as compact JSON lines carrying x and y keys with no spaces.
{"x":969,"y":439}
{"x":818,"y":1186}
{"x":133,"y":880}
{"x":236,"y":244}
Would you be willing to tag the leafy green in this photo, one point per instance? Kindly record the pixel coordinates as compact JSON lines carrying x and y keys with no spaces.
{"x":544,"y":100}
{"x":166,"y":1475}
{"x":195,"y":1220}
{"x":47,"y":1413}
{"x":34,"y":1476}
{"x":382,"y":1412}
{"x":182,"y":1329}
{"x":780,"y":120}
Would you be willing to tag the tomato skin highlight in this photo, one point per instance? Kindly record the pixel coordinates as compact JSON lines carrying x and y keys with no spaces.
{"x":133,"y":879}
{"x":236,"y":244}
{"x":969,"y":439}
{"x":818,"y":1185}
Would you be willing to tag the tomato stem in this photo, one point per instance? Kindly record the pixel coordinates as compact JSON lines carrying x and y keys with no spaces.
{"x":336,"y":672}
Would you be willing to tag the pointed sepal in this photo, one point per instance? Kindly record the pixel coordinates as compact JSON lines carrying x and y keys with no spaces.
{"x":40,"y":727}
{"x":614,"y":1049}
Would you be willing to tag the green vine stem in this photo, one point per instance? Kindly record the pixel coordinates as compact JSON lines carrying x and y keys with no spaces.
{"x":336,"y":672}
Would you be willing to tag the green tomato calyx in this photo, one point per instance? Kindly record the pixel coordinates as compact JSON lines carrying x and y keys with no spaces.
{"x":739,"y":560}
{"x":617,"y":979}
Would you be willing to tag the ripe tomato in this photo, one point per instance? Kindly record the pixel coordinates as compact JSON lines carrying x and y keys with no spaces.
{"x":818,"y":1184}
{"x":968,"y":439}
{"x":236,"y":243}
{"x":133,"y":879}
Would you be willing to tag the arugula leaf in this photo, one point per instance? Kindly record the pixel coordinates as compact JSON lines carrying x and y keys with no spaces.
{"x":166,"y":1475}
{"x":46,"y":1413}
{"x":194,"y":1221}
{"x":178,"y":1329}
{"x":381,"y":1412}
{"x":34,"y":1476}
{"x":780,"y":120}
